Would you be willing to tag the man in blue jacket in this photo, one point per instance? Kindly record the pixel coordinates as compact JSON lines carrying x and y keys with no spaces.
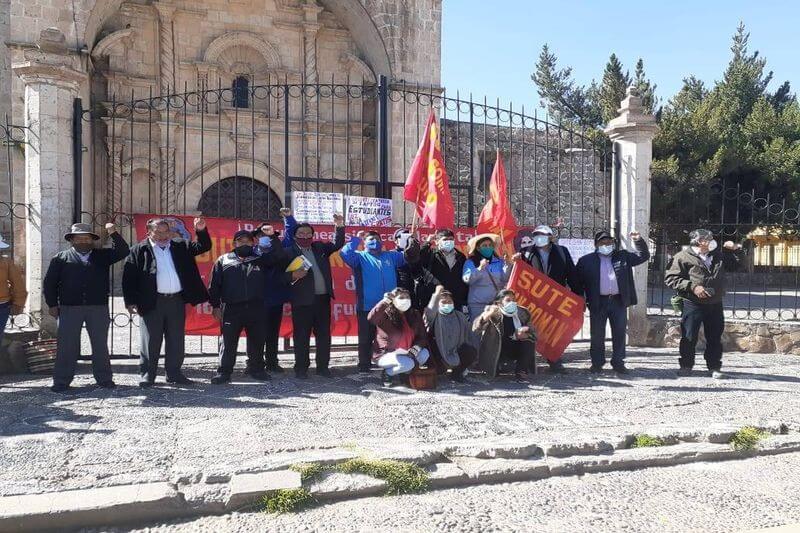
{"x":375,"y":273}
{"x":606,"y":279}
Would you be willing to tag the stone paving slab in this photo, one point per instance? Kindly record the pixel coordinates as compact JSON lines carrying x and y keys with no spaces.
{"x":95,"y":438}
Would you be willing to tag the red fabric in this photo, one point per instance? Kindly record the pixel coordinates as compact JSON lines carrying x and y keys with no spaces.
{"x":406,"y":339}
{"x":496,"y":216}
{"x":427,"y":184}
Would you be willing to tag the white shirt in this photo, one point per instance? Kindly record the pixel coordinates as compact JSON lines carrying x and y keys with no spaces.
{"x":167,"y":281}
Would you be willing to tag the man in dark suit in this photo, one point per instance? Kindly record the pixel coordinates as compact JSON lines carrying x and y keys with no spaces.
{"x":160,"y":278}
{"x":555,"y":261}
{"x":446,"y":264}
{"x":606,"y":280}
{"x":311,"y":293}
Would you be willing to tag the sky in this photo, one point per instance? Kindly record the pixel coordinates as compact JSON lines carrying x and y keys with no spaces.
{"x":491,"y":47}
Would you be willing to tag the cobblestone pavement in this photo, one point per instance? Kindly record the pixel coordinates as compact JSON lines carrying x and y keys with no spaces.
{"x":709,"y":497}
{"x":96,"y":437}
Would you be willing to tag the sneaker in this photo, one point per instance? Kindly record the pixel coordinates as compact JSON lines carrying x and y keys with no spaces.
{"x":59,"y":387}
{"x":106,"y":384}
{"x":594,"y":369}
{"x":220,"y":379}
{"x":386,"y":379}
{"x":260,"y":376}
{"x":324,"y":372}
{"x":621,"y":369}
{"x":684,"y":372}
{"x":278,"y":369}
{"x":718,"y":374}
{"x":180,"y":380}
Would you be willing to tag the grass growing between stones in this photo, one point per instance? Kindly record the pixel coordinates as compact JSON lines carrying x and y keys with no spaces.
{"x":647,"y":441}
{"x":308,"y":471}
{"x":402,"y":478}
{"x":747,"y":438}
{"x":287,"y":500}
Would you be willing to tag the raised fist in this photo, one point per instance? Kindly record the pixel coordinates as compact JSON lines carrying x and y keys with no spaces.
{"x":111,"y":228}
{"x":338,"y":220}
{"x":199,"y":223}
{"x":361,"y":234}
{"x":635,"y":235}
{"x":267,"y":230}
{"x":285,"y":212}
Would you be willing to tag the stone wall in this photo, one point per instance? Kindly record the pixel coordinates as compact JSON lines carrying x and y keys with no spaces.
{"x":739,"y":335}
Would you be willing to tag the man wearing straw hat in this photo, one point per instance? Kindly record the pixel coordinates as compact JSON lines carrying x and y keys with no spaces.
{"x":76,"y":291}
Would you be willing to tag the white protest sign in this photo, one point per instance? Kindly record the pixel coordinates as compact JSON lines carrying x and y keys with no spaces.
{"x":366,"y":211}
{"x":316,"y":207}
{"x":577,"y":247}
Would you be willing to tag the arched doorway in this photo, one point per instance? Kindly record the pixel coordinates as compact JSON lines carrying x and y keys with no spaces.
{"x":240,"y":197}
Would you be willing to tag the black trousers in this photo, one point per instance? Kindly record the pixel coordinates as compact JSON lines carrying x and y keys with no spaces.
{"x":273,"y":317}
{"x":236,"y":318}
{"x":522,"y":352}
{"x":164,"y":324}
{"x":711,"y":317}
{"x":366,"y":336}
{"x":308,"y":318}
{"x":609,"y":309}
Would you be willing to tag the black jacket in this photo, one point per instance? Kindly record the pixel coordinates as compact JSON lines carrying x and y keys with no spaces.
{"x":687,"y":271}
{"x":560,"y":266}
{"x":452,"y":279}
{"x":70,"y":282}
{"x":623,"y":262}
{"x":236,"y":281}
{"x":139,"y":277}
{"x":302,"y":291}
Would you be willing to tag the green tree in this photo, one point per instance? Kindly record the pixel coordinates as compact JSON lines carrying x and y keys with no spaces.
{"x":646,"y":89}
{"x":612,"y":88}
{"x":564,"y":100}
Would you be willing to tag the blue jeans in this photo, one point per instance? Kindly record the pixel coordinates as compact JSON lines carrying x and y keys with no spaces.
{"x":608,"y":309}
{"x":5,"y":310}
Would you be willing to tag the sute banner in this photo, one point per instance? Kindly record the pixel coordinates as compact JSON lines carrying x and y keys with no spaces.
{"x":556,"y":312}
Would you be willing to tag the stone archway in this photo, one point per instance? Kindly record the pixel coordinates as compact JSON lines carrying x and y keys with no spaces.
{"x":241,"y":198}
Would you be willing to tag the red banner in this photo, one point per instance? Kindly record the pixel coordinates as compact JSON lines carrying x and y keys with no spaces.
{"x":556,"y":312}
{"x":343,"y":309}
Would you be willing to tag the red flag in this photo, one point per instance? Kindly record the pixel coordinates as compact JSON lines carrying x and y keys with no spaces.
{"x":427,"y":184}
{"x":496,"y":216}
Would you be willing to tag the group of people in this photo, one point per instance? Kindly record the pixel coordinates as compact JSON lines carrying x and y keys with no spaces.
{"x":418,"y":305}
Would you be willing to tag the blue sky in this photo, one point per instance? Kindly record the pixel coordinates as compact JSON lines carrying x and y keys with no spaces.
{"x":490,"y":47}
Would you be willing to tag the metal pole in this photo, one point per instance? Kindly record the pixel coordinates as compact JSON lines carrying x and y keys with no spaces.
{"x":383,"y":136}
{"x":77,"y":158}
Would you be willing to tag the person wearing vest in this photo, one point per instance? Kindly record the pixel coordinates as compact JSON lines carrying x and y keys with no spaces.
{"x":159,"y":279}
{"x":13,"y":293}
{"x":698,"y":275}
{"x":311,"y":291}
{"x":606,"y":278}
{"x":556,"y":262}
{"x":236,"y":294}
{"x":76,"y":289}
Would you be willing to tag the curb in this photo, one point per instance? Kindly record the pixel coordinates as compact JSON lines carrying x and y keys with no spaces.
{"x":449,"y":466}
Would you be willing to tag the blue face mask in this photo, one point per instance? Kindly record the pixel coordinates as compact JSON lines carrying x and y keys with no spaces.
{"x":486,"y":251}
{"x":264,"y":242}
{"x":446,"y":309}
{"x":372,"y":244}
{"x":447,"y":245}
{"x":510,"y":308}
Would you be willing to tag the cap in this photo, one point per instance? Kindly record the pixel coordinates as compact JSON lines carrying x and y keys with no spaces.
{"x":242,"y":233}
{"x":602,"y":235}
{"x":542,"y":228}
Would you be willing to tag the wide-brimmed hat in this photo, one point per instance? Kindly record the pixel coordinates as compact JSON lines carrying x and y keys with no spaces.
{"x":473,"y":242}
{"x":81,"y":229}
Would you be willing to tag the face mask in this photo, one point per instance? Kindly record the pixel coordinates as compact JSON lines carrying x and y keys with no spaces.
{"x":402,"y":304}
{"x":446,"y":309}
{"x":486,"y":251}
{"x":510,"y":308}
{"x":372,"y":244}
{"x":264,"y":241}
{"x":606,"y":249}
{"x":401,"y":243}
{"x":525,"y":243}
{"x":447,"y":245}
{"x":244,"y":250}
{"x":712,"y":246}
{"x":541,"y":240}
{"x":304,"y":242}
{"x":83,"y":248}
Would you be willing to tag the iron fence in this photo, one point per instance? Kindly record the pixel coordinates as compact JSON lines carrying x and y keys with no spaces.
{"x":767,"y":287}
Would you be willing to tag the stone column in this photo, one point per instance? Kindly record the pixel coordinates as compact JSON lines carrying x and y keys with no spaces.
{"x":114,"y":149}
{"x":52,"y":81}
{"x":166,"y":47}
{"x":632,"y":133}
{"x":311,"y":28}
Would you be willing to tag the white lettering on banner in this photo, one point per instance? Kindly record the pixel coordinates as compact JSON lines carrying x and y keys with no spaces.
{"x":316,"y":207}
{"x":350,"y":284}
{"x":577,"y":247}
{"x":342,"y":310}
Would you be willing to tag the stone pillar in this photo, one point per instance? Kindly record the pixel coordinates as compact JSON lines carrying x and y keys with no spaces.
{"x":52,"y":81}
{"x":632,"y":133}
{"x":114,"y":149}
{"x":311,"y":28}
{"x":166,"y":47}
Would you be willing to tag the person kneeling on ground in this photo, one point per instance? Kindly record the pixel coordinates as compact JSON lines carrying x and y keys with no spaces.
{"x":449,"y":334}
{"x":400,"y":340}
{"x":506,"y":334}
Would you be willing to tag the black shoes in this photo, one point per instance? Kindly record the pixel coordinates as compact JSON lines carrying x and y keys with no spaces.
{"x":621,"y":369}
{"x":276,"y":368}
{"x":324,"y":372}
{"x":260,"y":376}
{"x":60,"y":387}
{"x":106,"y":384}
{"x":180,"y":380}
{"x":594,"y":369}
{"x":684,"y":371}
{"x":301,"y":374}
{"x":386,"y":379}
{"x":220,"y":379}
{"x":558,"y":368}
{"x":146,"y":382}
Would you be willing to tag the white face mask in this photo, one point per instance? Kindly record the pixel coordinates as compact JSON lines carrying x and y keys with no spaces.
{"x":509,"y":308}
{"x":447,"y":245}
{"x":712,"y":245}
{"x":541,"y":240}
{"x":606,"y":249}
{"x":402,"y":304}
{"x":446,"y":309}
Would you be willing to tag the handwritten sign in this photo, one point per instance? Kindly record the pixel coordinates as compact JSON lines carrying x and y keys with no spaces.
{"x":366,"y":211}
{"x":577,"y":247}
{"x":316,"y":207}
